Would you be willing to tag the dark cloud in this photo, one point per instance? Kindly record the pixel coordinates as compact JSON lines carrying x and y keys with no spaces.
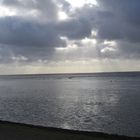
{"x":17,"y":31}
{"x":125,"y":9}
{"x":65,"y":6}
{"x":128,"y":50}
{"x":114,"y":20}
{"x":74,"y":28}
{"x":124,"y":25}
{"x":46,"y":8}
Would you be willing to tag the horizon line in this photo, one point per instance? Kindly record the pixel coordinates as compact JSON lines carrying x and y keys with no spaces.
{"x":68,"y":73}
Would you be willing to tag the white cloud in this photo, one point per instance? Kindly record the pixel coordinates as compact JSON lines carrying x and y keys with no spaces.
{"x":62,"y":15}
{"x":89,"y":42}
{"x":110,"y":43}
{"x":52,"y":35}
{"x":19,"y":58}
{"x":4,"y":11}
{"x":107,"y":49}
{"x":80,"y":3}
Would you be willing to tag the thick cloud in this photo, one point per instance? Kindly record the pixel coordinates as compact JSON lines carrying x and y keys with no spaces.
{"x":45,"y":8}
{"x":125,"y":9}
{"x":126,"y":21}
{"x":17,"y":31}
{"x":74,"y":28}
{"x":35,"y":31}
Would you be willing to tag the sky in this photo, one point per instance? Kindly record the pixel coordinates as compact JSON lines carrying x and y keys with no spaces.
{"x":69,"y":36}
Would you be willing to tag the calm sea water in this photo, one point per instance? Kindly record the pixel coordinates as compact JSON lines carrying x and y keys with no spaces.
{"x":92,"y":102}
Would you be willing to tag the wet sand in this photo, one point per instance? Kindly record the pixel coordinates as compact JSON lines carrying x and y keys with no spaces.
{"x":16,"y":131}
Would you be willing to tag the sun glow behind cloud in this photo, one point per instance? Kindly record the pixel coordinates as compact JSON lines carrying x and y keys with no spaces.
{"x":41,"y":36}
{"x":4,"y":11}
{"x":80,"y":3}
{"x":62,"y":15}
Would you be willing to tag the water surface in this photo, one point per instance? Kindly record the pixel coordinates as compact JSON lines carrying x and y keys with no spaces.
{"x":92,"y":102}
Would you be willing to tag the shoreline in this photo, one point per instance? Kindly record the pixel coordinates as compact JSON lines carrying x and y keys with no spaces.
{"x":20,"y":131}
{"x":80,"y":73}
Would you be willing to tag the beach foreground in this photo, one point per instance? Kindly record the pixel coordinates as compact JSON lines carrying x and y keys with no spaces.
{"x":16,"y":131}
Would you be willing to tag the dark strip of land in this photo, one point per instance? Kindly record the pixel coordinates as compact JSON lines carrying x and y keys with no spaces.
{"x":16,"y":131}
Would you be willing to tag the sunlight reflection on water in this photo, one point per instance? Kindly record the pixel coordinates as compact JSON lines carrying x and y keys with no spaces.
{"x":105,"y":104}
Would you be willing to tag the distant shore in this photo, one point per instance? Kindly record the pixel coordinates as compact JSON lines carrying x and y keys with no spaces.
{"x":80,"y":73}
{"x":17,"y":131}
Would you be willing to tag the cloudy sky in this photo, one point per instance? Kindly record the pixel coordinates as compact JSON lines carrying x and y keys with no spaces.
{"x":53,"y":36}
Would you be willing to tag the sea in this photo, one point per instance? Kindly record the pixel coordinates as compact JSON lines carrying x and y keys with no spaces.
{"x":99,"y":102}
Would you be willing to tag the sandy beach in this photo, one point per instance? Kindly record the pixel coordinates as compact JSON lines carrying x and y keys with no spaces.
{"x":16,"y":131}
